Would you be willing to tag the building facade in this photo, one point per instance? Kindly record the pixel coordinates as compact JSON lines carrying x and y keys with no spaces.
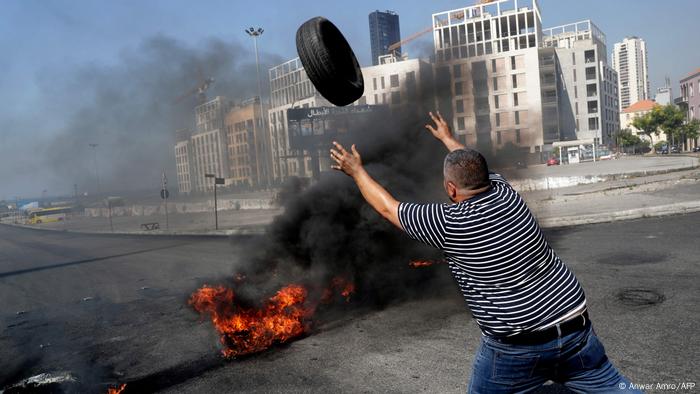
{"x":207,"y":145}
{"x":383,"y":31}
{"x":183,"y":162}
{"x":640,"y":108}
{"x":246,"y":141}
{"x":589,"y":86}
{"x":629,"y":59}
{"x":690,"y":94}
{"x":492,"y":54}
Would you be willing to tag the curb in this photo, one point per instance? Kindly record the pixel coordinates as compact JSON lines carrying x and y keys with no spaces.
{"x":607,"y":217}
{"x":252,"y":230}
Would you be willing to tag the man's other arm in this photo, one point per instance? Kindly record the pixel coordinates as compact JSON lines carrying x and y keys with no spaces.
{"x":442,"y":132}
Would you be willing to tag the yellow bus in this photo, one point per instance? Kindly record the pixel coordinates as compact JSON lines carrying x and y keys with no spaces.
{"x":47,"y":215}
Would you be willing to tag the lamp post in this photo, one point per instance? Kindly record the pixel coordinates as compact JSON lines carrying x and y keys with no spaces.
{"x":255,"y":33}
{"x":97,"y":175}
{"x":217,"y":181}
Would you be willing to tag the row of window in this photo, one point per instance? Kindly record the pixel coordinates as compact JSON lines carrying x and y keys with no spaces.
{"x":501,"y":119}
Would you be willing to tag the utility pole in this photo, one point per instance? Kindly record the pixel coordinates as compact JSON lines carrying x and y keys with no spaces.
{"x":97,"y":174}
{"x":255,"y":33}
{"x":164,"y":194}
{"x":217,"y":181}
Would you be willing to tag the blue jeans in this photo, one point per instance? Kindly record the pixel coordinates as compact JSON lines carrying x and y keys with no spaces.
{"x":577,"y":361}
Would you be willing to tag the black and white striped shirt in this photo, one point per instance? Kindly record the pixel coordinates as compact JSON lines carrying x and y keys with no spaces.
{"x":511,"y":278}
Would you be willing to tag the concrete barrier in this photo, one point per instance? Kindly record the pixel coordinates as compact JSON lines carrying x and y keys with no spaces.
{"x":225,"y":204}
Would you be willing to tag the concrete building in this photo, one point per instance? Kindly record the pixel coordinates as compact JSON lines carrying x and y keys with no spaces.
{"x":629,"y":59}
{"x":383,"y":31}
{"x":208,"y":143}
{"x":690,"y":94}
{"x":398,"y":83}
{"x":246,"y":140}
{"x":664,"y":95}
{"x":183,"y":162}
{"x":290,"y":87}
{"x":492,"y":54}
{"x":635,"y":110}
{"x":588,"y":90}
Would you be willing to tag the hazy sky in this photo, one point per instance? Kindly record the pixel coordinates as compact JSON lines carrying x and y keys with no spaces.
{"x":46,"y":41}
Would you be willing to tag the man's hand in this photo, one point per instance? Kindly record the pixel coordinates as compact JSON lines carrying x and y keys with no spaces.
{"x":349,"y":163}
{"x":442,"y":132}
{"x":373,"y":192}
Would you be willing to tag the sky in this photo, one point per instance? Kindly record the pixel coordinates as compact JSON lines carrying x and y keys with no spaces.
{"x":51,"y":53}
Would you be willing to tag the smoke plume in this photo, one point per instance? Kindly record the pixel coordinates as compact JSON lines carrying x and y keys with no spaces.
{"x":130,"y":110}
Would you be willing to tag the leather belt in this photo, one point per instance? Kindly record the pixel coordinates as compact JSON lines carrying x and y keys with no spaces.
{"x":549,"y":334}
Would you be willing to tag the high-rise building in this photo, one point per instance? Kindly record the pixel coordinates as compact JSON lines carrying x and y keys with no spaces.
{"x":491,"y":54}
{"x":183,"y":161}
{"x":208,"y":143}
{"x":290,"y":87}
{"x":248,"y":157}
{"x":690,"y":100}
{"x":383,"y":31}
{"x":629,"y":59}
{"x":587,"y":95}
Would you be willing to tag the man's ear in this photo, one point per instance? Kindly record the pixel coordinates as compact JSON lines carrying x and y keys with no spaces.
{"x":451,"y":190}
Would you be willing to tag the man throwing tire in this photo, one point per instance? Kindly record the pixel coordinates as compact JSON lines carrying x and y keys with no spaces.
{"x":530,"y":307}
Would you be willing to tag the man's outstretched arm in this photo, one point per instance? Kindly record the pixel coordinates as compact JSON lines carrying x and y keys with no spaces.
{"x":375,"y":195}
{"x":442,"y":132}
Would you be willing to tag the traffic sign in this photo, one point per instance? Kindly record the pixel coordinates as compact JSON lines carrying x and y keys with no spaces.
{"x":164,"y":193}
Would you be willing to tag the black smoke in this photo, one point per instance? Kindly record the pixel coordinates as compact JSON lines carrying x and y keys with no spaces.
{"x":130,"y":109}
{"x":328,"y":229}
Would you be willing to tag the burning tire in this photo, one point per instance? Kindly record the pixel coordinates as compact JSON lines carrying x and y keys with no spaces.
{"x":329,"y":61}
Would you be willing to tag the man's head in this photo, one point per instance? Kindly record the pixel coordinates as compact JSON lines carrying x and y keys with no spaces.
{"x":466,"y":172}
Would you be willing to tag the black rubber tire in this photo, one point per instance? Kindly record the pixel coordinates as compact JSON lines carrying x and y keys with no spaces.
{"x":329,"y":61}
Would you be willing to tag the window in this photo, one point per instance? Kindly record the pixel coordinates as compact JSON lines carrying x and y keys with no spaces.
{"x":460,"y":123}
{"x":512,"y":62}
{"x":376,"y":99}
{"x":574,"y":75}
{"x":394,"y":81}
{"x":515,"y":81}
{"x":576,"y":105}
{"x":590,"y":73}
{"x":493,"y":65}
{"x":396,"y":97}
{"x":593,"y":124}
{"x":515,"y":100}
{"x":495,"y":83}
{"x":589,"y":56}
{"x":459,"y":106}
{"x":495,"y":102}
{"x":517,"y":117}
{"x":457,"y":71}
{"x":591,"y":90}
{"x":575,"y":91}
{"x":374,"y":80}
{"x":498,"y":137}
{"x":517,"y":136}
{"x":593,"y":108}
{"x":458,"y":89}
{"x":383,"y":83}
{"x":573,"y":58}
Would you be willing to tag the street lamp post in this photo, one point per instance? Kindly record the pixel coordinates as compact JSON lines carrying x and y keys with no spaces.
{"x":255,"y":33}
{"x":217,"y":181}
{"x":97,"y":174}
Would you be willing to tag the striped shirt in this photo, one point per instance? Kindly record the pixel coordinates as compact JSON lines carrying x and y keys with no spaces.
{"x":511,"y":278}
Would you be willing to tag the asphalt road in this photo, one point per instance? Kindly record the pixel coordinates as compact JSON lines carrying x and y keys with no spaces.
{"x":112,"y":309}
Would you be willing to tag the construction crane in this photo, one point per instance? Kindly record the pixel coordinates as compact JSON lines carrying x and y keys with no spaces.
{"x":392,"y":49}
{"x":200,"y":89}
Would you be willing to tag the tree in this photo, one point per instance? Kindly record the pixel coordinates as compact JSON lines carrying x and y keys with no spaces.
{"x":670,"y":119}
{"x":647,"y":125}
{"x":626,"y":139}
{"x":690,"y":130}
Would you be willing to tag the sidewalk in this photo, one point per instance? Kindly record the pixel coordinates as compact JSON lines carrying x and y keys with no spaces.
{"x":628,"y":194}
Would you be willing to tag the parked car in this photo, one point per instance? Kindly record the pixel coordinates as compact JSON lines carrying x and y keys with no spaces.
{"x":696,"y":149}
{"x":675,"y":149}
{"x":553,"y":162}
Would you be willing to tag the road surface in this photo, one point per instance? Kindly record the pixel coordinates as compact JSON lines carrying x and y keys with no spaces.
{"x":113,"y":309}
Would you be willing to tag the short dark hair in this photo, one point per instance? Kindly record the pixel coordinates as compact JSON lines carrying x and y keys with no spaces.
{"x":467,"y":169}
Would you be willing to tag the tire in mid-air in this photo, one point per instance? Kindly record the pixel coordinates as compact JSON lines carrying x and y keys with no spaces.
{"x":329,"y":61}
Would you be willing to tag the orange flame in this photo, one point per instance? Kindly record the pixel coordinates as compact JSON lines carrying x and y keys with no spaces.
{"x":422,"y":263}
{"x":282,"y":317}
{"x":116,"y":390}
